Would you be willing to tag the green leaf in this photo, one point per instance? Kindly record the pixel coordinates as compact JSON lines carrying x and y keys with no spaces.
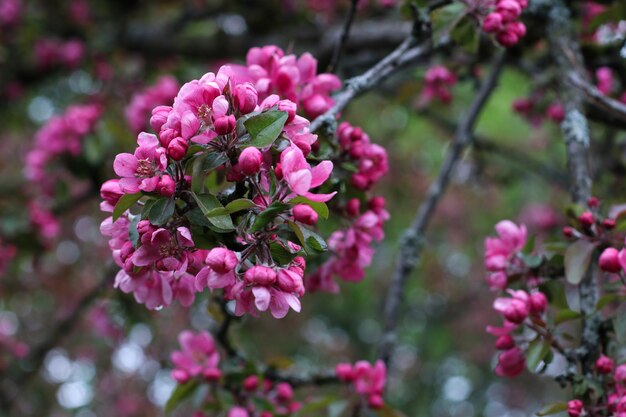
{"x":553,"y":409}
{"x":577,"y":259}
{"x":320,"y":208}
{"x":145,"y":211}
{"x":538,"y":349}
{"x":161,"y":211}
{"x":239,"y":204}
{"x":607,"y":299}
{"x":311,"y":241}
{"x":267,"y":215}
{"x":316,"y":406}
{"x":124,"y":203}
{"x":565,"y":315}
{"x":466,"y":35}
{"x":133,"y":234}
{"x":180,"y":393}
{"x":214,"y":160}
{"x":280,"y":254}
{"x":208,"y":202}
{"x":265,"y":128}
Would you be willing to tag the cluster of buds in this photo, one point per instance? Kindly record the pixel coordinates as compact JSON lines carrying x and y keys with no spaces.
{"x":351,"y":249}
{"x":501,"y":252}
{"x":184,"y":239}
{"x":370,"y":159}
{"x":368,"y":380}
{"x":62,"y":135}
{"x":503,"y":22}
{"x":438,"y":82}
{"x":52,"y":52}
{"x":139,"y":110}
{"x":198,"y":358}
{"x":535,"y":109}
{"x":291,"y":77}
{"x":615,"y":378}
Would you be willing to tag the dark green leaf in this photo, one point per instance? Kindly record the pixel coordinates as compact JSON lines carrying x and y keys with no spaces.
{"x":180,"y":393}
{"x":267,"y":215}
{"x":577,"y":258}
{"x":133,"y":234}
{"x":311,"y":241}
{"x":145,"y":211}
{"x":125,"y":203}
{"x":538,"y":349}
{"x":265,"y":128}
{"x":208,"y":202}
{"x":161,"y":211}
{"x":281,"y":255}
{"x":214,"y":160}
{"x":239,"y":204}
{"x":565,"y":315}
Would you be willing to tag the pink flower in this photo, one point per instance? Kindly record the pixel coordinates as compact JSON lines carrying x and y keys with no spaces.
{"x":604,"y":364}
{"x":220,"y":270}
{"x":301,"y":177}
{"x":514,"y":309}
{"x":510,"y":363}
{"x":620,"y":374}
{"x":575,"y":408}
{"x":141,"y":170}
{"x":198,"y":356}
{"x":609,"y":260}
{"x":155,"y":97}
{"x":238,"y":412}
{"x":305,"y":214}
{"x":250,"y":161}
{"x":368,"y":380}
{"x":604,"y":76}
{"x":498,"y":251}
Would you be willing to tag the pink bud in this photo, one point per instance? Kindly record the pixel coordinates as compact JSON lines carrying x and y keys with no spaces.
{"x":180,"y":376}
{"x":251,"y":383}
{"x":609,"y":223}
{"x":375,"y":402}
{"x":238,"y":412}
{"x":604,"y":364}
{"x":574,"y":408}
{"x":159,"y":117}
{"x":620,"y":374}
{"x":289,"y":107}
{"x":377,"y":203}
{"x":284,"y":392}
{"x":278,"y":171}
{"x":568,"y":231}
{"x":593,"y":202}
{"x":556,"y":112}
{"x":505,"y":342}
{"x":344,"y":372}
{"x":212,"y":374}
{"x":353,"y":207}
{"x":245,"y":97}
{"x":507,"y":38}
{"x":225,"y":124}
{"x":177,"y":149}
{"x":609,"y":260}
{"x":166,"y":186}
{"x":167,"y":135}
{"x":509,"y":9}
{"x":250,"y":161}
{"x":305,"y":214}
{"x":260,"y":275}
{"x":111,"y":192}
{"x":518,"y":28}
{"x":221,"y":260}
{"x":537,"y":302}
{"x":290,"y":280}
{"x":586,"y":219}
{"x":492,"y":23}
{"x":360,"y":182}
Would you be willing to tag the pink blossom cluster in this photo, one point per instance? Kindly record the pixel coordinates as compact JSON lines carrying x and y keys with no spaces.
{"x":10,"y":12}
{"x":198,"y":357}
{"x":351,"y":249}
{"x":61,"y":135}
{"x":501,"y":252}
{"x":139,"y":110}
{"x":294,"y":78}
{"x":163,"y":262}
{"x":368,"y":380}
{"x":534,"y":109}
{"x":7,"y":253}
{"x":503,"y":22}
{"x":279,"y":396}
{"x":370,"y":159}
{"x":50,"y":52}
{"x":438,"y":82}
{"x":616,"y":396}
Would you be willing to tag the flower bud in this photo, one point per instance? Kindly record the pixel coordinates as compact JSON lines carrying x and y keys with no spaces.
{"x":593,"y":202}
{"x":284,"y":392}
{"x":509,"y":9}
{"x":290,"y":281}
{"x":305,"y":214}
{"x":251,"y":383}
{"x":353,"y":207}
{"x":609,"y":260}
{"x":180,"y":376}
{"x":238,"y":412}
{"x":568,"y":231}
{"x":289,"y":107}
{"x":245,"y":97}
{"x":604,"y":364}
{"x":492,"y":23}
{"x":111,"y":192}
{"x":507,"y":38}
{"x":537,"y":303}
{"x":212,"y":374}
{"x":556,"y":112}
{"x":177,"y":148}
{"x":260,"y":275}
{"x":166,"y":186}
{"x":344,"y":372}
{"x":375,"y":402}
{"x":278,"y":171}
{"x":167,"y":135}
{"x":225,"y":124}
{"x":505,"y":342}
{"x":250,"y":161}
{"x":159,"y":117}
{"x":360,"y":182}
{"x":620,"y":374}
{"x":586,"y":219}
{"x":221,"y":260}
{"x":608,"y":223}
{"x":574,"y":408}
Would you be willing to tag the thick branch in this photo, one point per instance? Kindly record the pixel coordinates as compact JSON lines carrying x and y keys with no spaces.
{"x":613,"y":108}
{"x":566,"y":52}
{"x":412,"y":241}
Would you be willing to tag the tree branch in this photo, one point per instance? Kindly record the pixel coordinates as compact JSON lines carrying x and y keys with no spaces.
{"x":568,"y":58}
{"x":613,"y":108}
{"x":412,"y":241}
{"x":343,"y":39}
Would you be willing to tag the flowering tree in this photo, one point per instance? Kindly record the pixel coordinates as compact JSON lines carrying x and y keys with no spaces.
{"x":237,"y":191}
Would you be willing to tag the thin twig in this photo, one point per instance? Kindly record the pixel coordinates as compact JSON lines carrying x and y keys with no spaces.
{"x":343,"y":39}
{"x":412,"y":241}
{"x":612,"y":107}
